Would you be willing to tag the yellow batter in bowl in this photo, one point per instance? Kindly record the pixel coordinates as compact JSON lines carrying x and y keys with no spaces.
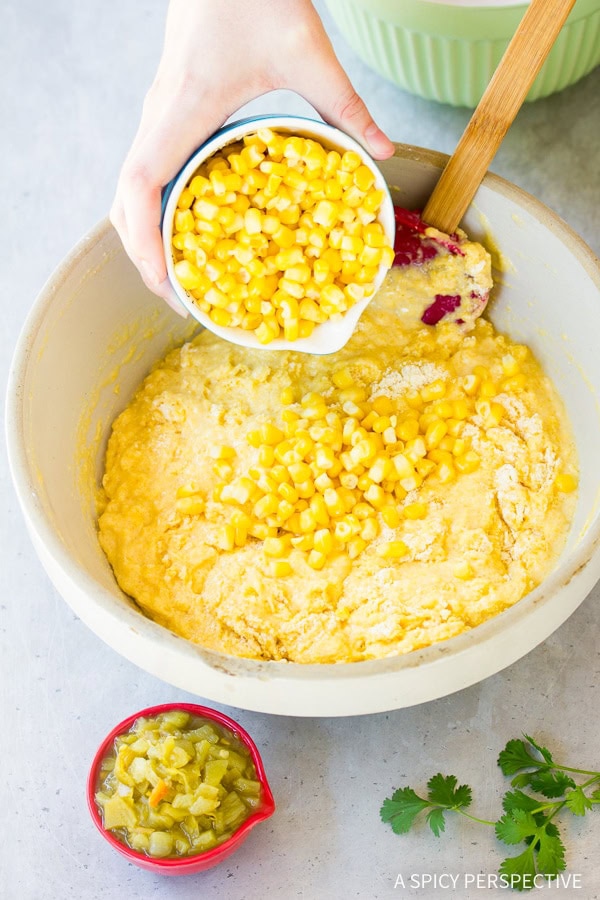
{"x":439,"y":526}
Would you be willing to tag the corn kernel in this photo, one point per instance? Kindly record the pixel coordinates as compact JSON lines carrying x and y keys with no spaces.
{"x":226,"y":537}
{"x":319,"y":510}
{"x":463,"y":570}
{"x":350,"y":161}
{"x":316,"y":560}
{"x":470,"y":384}
{"x":306,"y":489}
{"x":392,"y":550}
{"x":380,"y":469}
{"x":565,"y":482}
{"x":221,"y":451}
{"x":190,"y":506}
{"x":302,"y":542}
{"x":188,"y":275}
{"x":469,"y":462}
{"x":425,"y":466}
{"x":355,"y":547}
{"x":414,"y":510}
{"x":514,"y":383}
{"x":373,"y":200}
{"x":333,"y":502}
{"x":261,"y":531}
{"x":433,"y":391}
{"x":488,"y":389}
{"x":323,"y":541}
{"x":404,"y":467}
{"x":363,"y":178}
{"x":199,"y":185}
{"x":446,"y":472}
{"x":241,"y":523}
{"x":266,"y":506}
{"x":370,"y":528}
{"x":266,"y":455}
{"x":276,"y":547}
{"x":285,"y":509}
{"x":390,"y":516}
{"x":434,"y":433}
{"x":323,"y":482}
{"x":510,"y":366}
{"x":415,"y":449}
{"x":375,"y":495}
{"x":460,"y":409}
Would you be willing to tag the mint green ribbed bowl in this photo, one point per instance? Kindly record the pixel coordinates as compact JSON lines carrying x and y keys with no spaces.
{"x":449,"y":53}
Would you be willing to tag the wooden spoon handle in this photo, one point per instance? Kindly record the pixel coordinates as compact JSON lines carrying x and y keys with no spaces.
{"x":503,"y":97}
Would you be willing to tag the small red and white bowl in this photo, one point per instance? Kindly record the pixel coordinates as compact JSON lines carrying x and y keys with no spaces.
{"x":181,"y":865}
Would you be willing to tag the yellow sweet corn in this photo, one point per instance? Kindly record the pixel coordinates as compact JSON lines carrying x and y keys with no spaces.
{"x":565,"y":482}
{"x":283,"y":208}
{"x":392,"y":550}
{"x":335,"y":466}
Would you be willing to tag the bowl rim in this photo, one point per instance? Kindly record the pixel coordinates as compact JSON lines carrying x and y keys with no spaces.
{"x":146,"y":638}
{"x":207,"y":857}
{"x":329,"y":337}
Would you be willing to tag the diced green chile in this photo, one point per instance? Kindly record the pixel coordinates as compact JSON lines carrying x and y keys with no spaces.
{"x":176,"y":785}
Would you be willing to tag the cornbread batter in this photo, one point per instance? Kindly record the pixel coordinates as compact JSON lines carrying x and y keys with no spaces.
{"x":463,"y":518}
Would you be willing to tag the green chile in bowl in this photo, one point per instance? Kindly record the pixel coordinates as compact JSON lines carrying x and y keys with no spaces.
{"x":177,"y":788}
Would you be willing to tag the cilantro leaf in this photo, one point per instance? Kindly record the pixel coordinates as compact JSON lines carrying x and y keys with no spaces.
{"x":402,"y":809}
{"x":541,"y":790}
{"x":519,"y":870}
{"x":578,"y":802}
{"x":550,"y":783}
{"x":545,"y":854}
{"x":551,"y":852}
{"x":436,"y":820}
{"x":516,"y":826}
{"x":543,"y":751}
{"x":523,"y":779}
{"x":516,"y":756}
{"x":443,"y":792}
{"x":514,"y":800}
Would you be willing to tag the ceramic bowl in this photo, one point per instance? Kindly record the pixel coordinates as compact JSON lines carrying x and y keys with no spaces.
{"x":331,"y":335}
{"x":448,"y":51}
{"x":198,"y":862}
{"x":94,"y":333}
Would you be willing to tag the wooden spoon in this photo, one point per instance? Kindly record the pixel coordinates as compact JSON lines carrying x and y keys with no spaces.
{"x":495,"y":112}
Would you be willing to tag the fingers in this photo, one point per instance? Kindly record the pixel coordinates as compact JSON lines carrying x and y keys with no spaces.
{"x":148,"y":271}
{"x":339,"y":104}
{"x":217,"y":57}
{"x":322,"y":81}
{"x":167,"y":136}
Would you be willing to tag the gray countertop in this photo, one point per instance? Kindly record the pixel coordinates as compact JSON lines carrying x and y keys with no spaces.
{"x":74,"y":75}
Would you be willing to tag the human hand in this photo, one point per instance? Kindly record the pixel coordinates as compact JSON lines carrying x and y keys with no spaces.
{"x":217,"y":56}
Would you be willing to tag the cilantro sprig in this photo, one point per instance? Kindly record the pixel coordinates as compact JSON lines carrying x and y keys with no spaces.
{"x":403,"y":807}
{"x":542,"y":789}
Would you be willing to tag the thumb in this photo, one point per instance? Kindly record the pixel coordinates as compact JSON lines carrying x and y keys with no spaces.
{"x":323,"y":82}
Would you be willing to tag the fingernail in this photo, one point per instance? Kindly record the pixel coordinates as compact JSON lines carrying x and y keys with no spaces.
{"x":149,"y":274}
{"x":380,"y":144}
{"x":164,"y":290}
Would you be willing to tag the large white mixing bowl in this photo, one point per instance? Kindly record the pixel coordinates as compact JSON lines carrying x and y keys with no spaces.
{"x":95,"y":331}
